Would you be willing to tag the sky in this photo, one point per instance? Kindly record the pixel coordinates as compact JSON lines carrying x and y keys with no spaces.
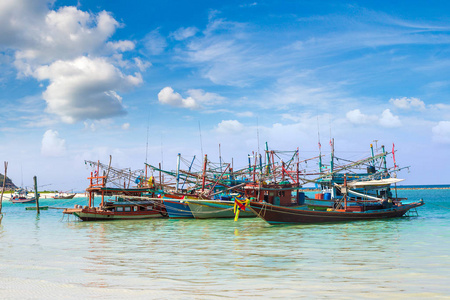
{"x":145,"y":80}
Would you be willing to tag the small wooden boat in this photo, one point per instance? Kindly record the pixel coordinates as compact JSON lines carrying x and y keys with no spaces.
{"x":119,"y":210}
{"x":62,"y":196}
{"x":22,"y":198}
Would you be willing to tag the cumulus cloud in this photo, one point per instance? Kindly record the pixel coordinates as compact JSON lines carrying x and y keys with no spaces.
{"x":52,"y":144}
{"x":441,"y":132}
{"x":126,"y":126}
{"x":71,"y":49}
{"x":85,"y":88}
{"x":389,"y":120}
{"x":65,"y":34}
{"x":197,"y":98}
{"x":357,"y":117}
{"x":184,"y":33}
{"x":408,"y":103}
{"x":230,"y":127}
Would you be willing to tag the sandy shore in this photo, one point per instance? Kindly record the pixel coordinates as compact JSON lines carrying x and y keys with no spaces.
{"x":8,"y":196}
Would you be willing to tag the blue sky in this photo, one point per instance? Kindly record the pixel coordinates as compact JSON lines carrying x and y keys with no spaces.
{"x":86,"y":79}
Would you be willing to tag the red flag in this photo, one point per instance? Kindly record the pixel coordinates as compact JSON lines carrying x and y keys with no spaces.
{"x":393,"y":155}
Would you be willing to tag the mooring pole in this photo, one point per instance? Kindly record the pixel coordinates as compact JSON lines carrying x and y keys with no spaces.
{"x":3,"y":189}
{"x":36,"y":195}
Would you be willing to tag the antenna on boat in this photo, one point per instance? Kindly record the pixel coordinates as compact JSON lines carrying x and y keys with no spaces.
{"x":220,"y":159}
{"x":320,"y":146}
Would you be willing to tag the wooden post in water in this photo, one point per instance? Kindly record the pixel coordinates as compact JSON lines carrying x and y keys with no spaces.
{"x":36,"y":194}
{"x":3,"y":189}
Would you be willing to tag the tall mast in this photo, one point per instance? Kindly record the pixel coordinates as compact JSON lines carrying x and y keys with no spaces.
{"x":204,"y":172}
{"x":178,"y":171}
{"x":373,"y":160}
{"x":384,"y":159}
{"x":332,"y":154}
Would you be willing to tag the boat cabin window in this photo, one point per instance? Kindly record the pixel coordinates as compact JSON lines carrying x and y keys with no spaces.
{"x":136,"y":208}
{"x":119,"y":208}
{"x":149,"y":207}
{"x":127,"y":208}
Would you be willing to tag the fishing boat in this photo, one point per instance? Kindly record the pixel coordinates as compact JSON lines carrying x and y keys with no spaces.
{"x":124,"y":209}
{"x":22,"y":197}
{"x":177,"y":207}
{"x":346,"y":196}
{"x":64,"y":196}
{"x":127,"y":203}
{"x":210,"y":209}
{"x":277,"y":214}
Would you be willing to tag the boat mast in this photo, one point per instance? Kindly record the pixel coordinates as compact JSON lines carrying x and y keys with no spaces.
{"x":178,"y":172}
{"x":384,"y":159}
{"x":332,"y":154}
{"x":373,"y":160}
{"x":204,"y":172}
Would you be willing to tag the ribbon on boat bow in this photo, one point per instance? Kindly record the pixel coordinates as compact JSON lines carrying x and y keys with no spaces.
{"x":239,"y":205}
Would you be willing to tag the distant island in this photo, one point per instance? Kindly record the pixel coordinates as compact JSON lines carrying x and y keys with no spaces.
{"x":9,"y":185}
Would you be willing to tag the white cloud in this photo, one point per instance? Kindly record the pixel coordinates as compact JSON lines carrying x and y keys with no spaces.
{"x":142,"y":65}
{"x":52,"y":144}
{"x":356,"y":117}
{"x":121,"y":46}
{"x":441,"y":132}
{"x":248,"y":114}
{"x":126,"y":126}
{"x":184,"y":33}
{"x":85,"y":89}
{"x":65,"y":34}
{"x":168,"y":96}
{"x":408,"y":103}
{"x":196,"y":99}
{"x":203,"y":97}
{"x":389,"y":120}
{"x":230,"y":127}
{"x":154,"y":42}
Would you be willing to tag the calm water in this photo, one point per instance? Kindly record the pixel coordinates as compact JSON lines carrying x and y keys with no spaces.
{"x":45,"y":257}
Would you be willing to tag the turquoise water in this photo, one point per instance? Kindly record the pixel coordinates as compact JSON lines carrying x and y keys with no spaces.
{"x":46,"y":257}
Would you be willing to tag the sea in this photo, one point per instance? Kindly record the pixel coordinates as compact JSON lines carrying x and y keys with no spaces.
{"x":49,"y":256}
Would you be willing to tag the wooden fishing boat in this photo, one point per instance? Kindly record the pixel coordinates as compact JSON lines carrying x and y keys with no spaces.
{"x":22,"y":197}
{"x":177,"y":207}
{"x":120,"y":210}
{"x":62,"y":196}
{"x":129,"y":203}
{"x":276,"y":214}
{"x":209,"y":209}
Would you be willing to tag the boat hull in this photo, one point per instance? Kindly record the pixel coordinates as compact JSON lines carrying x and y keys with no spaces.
{"x":178,"y":209}
{"x":99,"y":215}
{"x":274,"y":214}
{"x":209,"y":209}
{"x":33,"y":200}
